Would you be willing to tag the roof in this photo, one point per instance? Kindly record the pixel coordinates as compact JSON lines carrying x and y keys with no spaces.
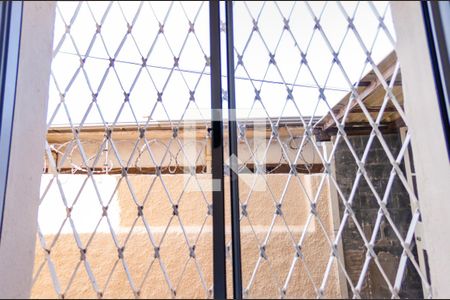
{"x":372,"y":93}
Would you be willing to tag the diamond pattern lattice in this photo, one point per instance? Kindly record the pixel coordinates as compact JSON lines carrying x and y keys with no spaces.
{"x":328,"y":202}
{"x":120,"y":71}
{"x":325,"y":78}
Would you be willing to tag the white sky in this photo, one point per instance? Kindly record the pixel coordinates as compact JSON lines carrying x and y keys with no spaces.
{"x":176,"y":95}
{"x":87,"y":211}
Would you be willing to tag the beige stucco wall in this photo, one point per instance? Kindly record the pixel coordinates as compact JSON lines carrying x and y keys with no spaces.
{"x":102,"y":254}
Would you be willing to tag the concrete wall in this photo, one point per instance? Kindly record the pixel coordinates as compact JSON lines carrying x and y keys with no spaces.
{"x":365,"y":207}
{"x":102,"y":254}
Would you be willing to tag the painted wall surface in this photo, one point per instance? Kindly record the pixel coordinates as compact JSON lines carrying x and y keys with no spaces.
{"x":102,"y":255}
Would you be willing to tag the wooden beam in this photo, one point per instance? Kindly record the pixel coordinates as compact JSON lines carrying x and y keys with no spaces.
{"x":374,"y":109}
{"x":374,"y":84}
{"x":363,"y":128}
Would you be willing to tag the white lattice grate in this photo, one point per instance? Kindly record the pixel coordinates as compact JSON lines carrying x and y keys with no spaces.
{"x":311,"y":71}
{"x":319,"y":52}
{"x":107,"y":74}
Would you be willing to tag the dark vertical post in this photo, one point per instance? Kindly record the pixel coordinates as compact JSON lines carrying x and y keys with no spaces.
{"x":219,"y":264}
{"x":234,"y":166}
{"x":10,"y":30}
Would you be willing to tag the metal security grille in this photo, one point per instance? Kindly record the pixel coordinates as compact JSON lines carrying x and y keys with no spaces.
{"x":125,"y":67}
{"x":322,"y":193}
{"x":333,"y":67}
